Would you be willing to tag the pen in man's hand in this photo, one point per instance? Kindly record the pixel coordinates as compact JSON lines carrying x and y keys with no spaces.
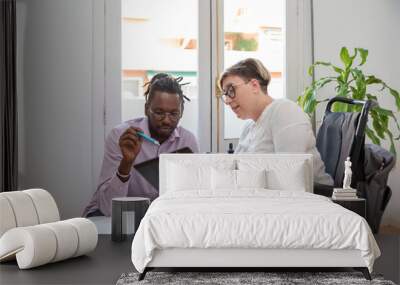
{"x":147,"y":138}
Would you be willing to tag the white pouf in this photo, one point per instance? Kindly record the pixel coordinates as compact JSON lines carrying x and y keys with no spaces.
{"x":31,"y":233}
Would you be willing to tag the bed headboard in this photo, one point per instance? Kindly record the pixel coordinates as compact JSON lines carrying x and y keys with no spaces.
{"x":283,"y":163}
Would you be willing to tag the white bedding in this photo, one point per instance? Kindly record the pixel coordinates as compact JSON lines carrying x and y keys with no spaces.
{"x":252,"y":218}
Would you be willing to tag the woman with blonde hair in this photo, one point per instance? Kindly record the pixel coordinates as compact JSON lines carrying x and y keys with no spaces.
{"x":276,"y":125}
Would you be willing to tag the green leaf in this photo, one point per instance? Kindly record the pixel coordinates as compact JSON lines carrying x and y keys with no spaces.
{"x":339,"y":107}
{"x":324,"y":100}
{"x":354,"y":91}
{"x":363,"y":54}
{"x":392,"y":147}
{"x":337,"y":69}
{"x":309,"y":106}
{"x":339,"y":80}
{"x":311,"y":70}
{"x":345,"y":57}
{"x":360,"y":83}
{"x":372,"y":136}
{"x":383,"y":111}
{"x":309,"y":101}
{"x":357,"y":108}
{"x":322,"y":63}
{"x":372,"y":80}
{"x":376,"y":124}
{"x":396,"y":96}
{"x":354,"y":56}
{"x":312,"y":67}
{"x":385,"y":121}
{"x":372,"y":97}
{"x":299,"y":101}
{"x":390,"y":114}
{"x":350,"y":108}
{"x":378,"y":128}
{"x":345,"y":76}
{"x":307,"y":96}
{"x":322,"y":82}
{"x":343,"y":90}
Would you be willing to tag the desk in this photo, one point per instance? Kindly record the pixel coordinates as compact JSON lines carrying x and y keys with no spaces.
{"x":102,"y":266}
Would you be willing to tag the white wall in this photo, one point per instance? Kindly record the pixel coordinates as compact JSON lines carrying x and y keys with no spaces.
{"x":57,"y":78}
{"x":370,"y":24}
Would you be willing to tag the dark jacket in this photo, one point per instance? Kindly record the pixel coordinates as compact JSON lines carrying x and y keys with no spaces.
{"x":371,"y":164}
{"x":378,"y":162}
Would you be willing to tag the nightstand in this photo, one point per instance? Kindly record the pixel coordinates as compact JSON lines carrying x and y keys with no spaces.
{"x":357,"y":205}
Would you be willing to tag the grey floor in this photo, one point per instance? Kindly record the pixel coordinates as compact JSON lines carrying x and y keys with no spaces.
{"x":110,"y":260}
{"x":389,"y":262}
{"x":102,"y":266}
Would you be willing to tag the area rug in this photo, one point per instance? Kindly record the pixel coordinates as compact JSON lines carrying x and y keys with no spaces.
{"x":229,"y":278}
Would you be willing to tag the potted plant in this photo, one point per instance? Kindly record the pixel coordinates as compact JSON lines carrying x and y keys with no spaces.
{"x":350,"y":81}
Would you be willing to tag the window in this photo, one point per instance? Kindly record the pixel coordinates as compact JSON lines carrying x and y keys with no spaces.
{"x":154,"y":41}
{"x":254,"y":29}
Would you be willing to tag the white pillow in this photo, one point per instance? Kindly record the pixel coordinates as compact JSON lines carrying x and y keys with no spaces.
{"x":280,"y":174}
{"x":223,"y":179}
{"x":292,"y":178}
{"x":251,"y":178}
{"x":188,"y":177}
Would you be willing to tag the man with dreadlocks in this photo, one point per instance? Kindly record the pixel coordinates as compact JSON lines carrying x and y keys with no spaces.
{"x":124,"y":148}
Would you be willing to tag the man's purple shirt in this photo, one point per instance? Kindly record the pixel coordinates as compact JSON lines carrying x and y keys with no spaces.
{"x":110,"y":186}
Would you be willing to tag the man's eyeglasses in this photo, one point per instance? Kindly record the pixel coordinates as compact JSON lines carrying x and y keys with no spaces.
{"x":159,"y":116}
{"x":230,"y":91}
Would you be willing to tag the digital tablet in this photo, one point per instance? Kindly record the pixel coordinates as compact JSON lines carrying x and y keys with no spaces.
{"x":149,"y":169}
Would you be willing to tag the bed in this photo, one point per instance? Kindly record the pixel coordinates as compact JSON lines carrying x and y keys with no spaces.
{"x":247,"y":210}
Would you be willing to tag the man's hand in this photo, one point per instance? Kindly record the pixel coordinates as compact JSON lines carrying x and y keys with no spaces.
{"x":130,"y":144}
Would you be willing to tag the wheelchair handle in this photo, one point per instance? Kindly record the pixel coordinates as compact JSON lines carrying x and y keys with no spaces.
{"x":367,"y":104}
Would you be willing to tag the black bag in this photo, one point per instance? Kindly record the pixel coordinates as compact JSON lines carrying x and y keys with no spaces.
{"x":378,"y":162}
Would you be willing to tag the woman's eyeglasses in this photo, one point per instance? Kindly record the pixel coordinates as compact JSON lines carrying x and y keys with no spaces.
{"x":159,"y":116}
{"x":230,"y":91}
